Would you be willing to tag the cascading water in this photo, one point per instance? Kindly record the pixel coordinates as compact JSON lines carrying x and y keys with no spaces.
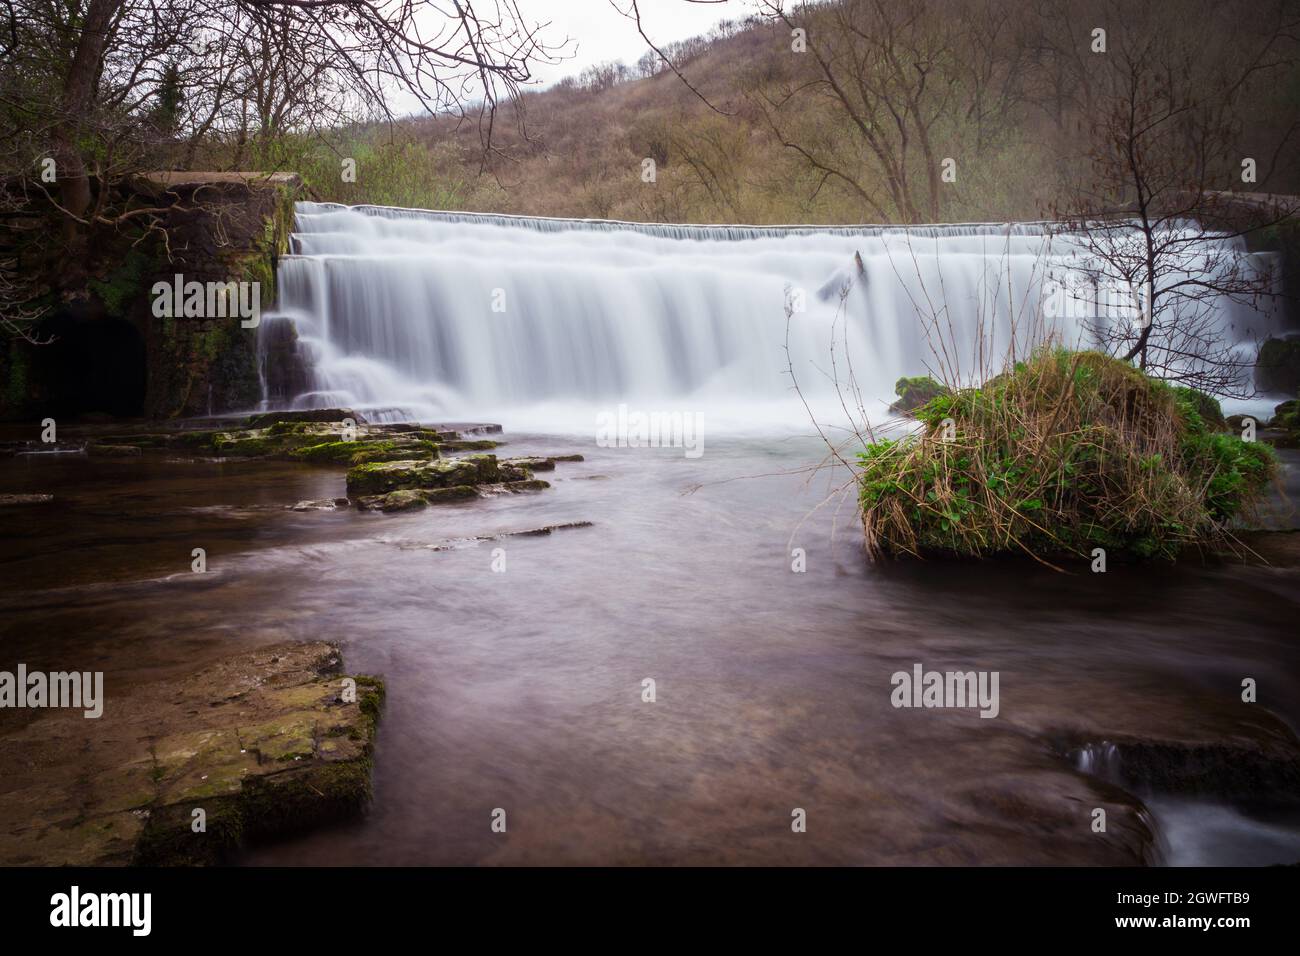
{"x":418,"y":314}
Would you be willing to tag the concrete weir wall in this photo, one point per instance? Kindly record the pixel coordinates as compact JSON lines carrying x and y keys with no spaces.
{"x":110,"y":352}
{"x":226,"y":227}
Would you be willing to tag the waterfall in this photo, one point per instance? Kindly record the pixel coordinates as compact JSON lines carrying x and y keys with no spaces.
{"x":419,"y":314}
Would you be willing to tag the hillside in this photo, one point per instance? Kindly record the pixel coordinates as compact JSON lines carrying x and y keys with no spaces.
{"x":855,"y":127}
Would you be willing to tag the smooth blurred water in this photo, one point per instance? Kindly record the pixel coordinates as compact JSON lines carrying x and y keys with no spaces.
{"x":522,"y":689}
{"x":418,"y":314}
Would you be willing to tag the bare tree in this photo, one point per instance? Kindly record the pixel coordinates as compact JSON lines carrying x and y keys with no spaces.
{"x":889,"y":72}
{"x":83,"y":72}
{"x":1150,"y":206}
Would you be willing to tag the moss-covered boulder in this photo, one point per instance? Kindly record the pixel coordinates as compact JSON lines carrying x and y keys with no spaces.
{"x":915,"y":391}
{"x":185,"y":771}
{"x":413,"y":499}
{"x":1065,"y":453}
{"x":360,"y":452}
{"x":1206,"y":406}
{"x":1277,"y":369}
{"x":376,"y":478}
{"x":268,"y":419}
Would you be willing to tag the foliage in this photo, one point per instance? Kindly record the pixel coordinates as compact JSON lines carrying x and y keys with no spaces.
{"x":1065,"y":452}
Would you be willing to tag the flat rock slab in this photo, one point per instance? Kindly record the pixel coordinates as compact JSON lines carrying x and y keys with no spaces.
{"x":263,"y":744}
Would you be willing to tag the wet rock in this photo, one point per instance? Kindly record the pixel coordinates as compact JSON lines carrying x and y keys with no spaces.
{"x":433,"y":435}
{"x":320,"y":504}
{"x":1277,"y":369}
{"x":532,"y":464}
{"x":543,"y":531}
{"x":914,"y":392}
{"x":412,"y":499}
{"x":485,"y":467}
{"x":482,"y":444}
{"x":512,"y":470}
{"x":361,"y":452}
{"x":1260,"y":770}
{"x":376,"y":478}
{"x":113,"y":451}
{"x":437,"y":496}
{"x":265,"y":744}
{"x":38,"y":499}
{"x":514,"y":487}
{"x":408,"y":500}
{"x":305,"y":415}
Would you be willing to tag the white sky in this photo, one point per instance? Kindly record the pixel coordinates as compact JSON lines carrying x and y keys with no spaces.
{"x":600,"y":33}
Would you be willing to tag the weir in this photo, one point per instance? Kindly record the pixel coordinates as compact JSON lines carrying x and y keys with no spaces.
{"x":404,"y":313}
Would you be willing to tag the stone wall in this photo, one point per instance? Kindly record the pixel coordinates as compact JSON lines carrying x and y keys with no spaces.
{"x":111,"y":353}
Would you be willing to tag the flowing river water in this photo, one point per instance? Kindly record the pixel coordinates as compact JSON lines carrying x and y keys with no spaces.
{"x":522,"y":689}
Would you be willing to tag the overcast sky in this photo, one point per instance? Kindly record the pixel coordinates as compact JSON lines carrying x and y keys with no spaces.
{"x":600,"y":33}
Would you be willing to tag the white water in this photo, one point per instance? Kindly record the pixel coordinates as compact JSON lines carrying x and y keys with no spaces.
{"x":428,"y":315}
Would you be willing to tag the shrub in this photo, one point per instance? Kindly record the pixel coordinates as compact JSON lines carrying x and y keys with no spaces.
{"x":1063,"y":453}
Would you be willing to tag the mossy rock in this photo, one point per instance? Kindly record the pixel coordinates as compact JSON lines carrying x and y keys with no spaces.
{"x":361,"y":452}
{"x":440,"y":496}
{"x":1062,"y":454}
{"x":375,"y":478}
{"x":531,"y":464}
{"x":478,"y":444}
{"x":266,"y":744}
{"x":486,"y":467}
{"x":268,"y":419}
{"x":527,"y":484}
{"x":1207,"y":406}
{"x":1287,"y":415}
{"x":915,"y":391}
{"x":1277,"y":369}
{"x":413,"y":499}
{"x":245,"y":446}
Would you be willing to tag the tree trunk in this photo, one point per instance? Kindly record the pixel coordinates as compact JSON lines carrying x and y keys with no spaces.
{"x":77,"y":102}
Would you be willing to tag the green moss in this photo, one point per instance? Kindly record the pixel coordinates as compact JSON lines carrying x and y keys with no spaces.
{"x":480,"y":444}
{"x":1278,"y":365}
{"x":362,"y":452}
{"x":1206,"y":406}
{"x":915,"y":391}
{"x":436,"y":496}
{"x":258,"y":447}
{"x":15,"y":365}
{"x":272,"y":805}
{"x":126,"y":283}
{"x":375,"y":478}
